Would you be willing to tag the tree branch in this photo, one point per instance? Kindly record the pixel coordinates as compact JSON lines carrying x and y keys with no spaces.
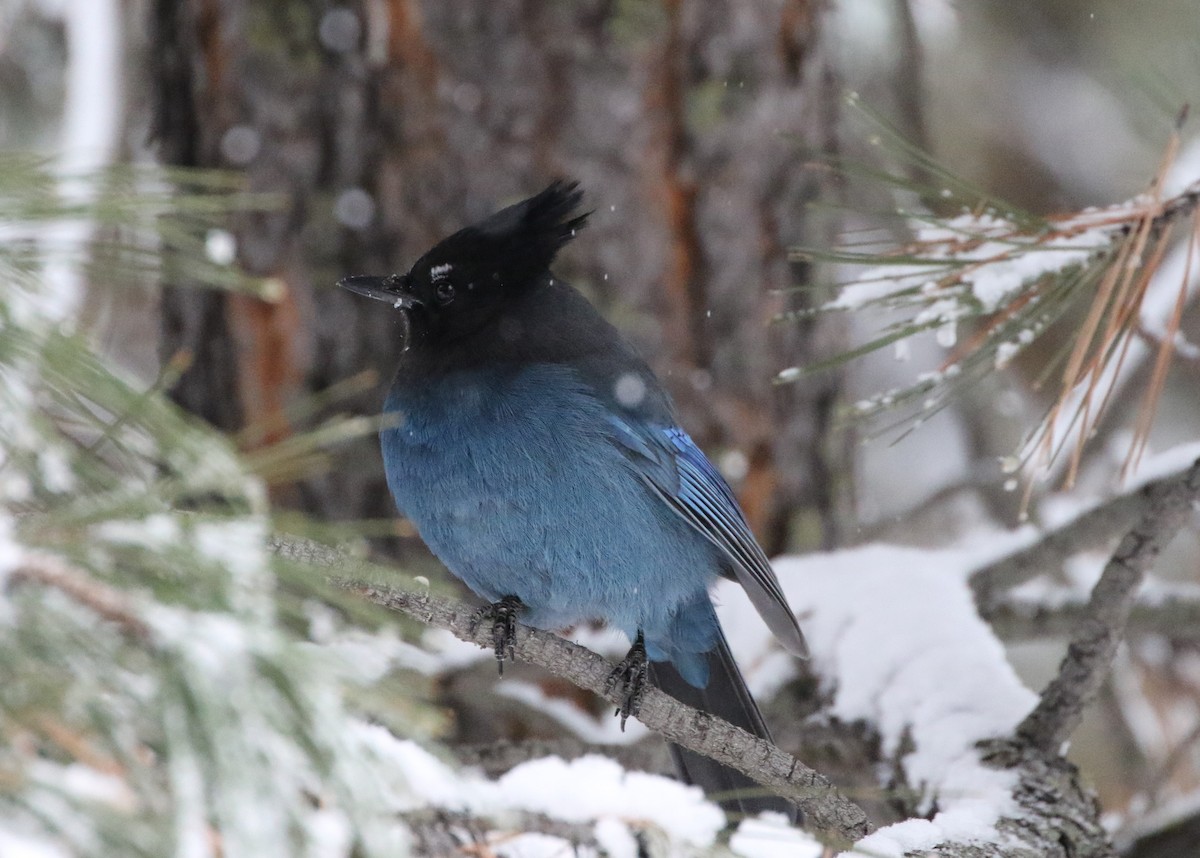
{"x":1058,"y":712}
{"x":827,"y":813}
{"x":1089,"y":530}
{"x":1176,"y":618}
{"x":446,"y":832}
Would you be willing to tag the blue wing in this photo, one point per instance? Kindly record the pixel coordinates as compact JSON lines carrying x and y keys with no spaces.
{"x":679,"y":472}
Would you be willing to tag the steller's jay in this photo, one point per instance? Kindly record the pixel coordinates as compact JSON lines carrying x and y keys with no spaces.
{"x":542,"y":462}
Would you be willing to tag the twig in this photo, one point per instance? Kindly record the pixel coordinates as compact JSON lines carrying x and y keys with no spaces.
{"x":827,"y":813}
{"x":1082,"y":671}
{"x":1174,"y":618}
{"x":1090,"y":530}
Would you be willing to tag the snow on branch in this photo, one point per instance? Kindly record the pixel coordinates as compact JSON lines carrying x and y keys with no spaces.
{"x":896,"y":639}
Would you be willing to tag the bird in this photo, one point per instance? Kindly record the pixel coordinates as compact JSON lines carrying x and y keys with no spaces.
{"x":544,"y":464}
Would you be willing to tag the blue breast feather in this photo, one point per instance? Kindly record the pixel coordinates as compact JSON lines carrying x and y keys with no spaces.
{"x":524,"y":482}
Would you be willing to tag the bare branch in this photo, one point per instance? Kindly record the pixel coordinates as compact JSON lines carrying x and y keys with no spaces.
{"x":1176,"y":618}
{"x":1089,"y":530}
{"x":827,"y":813}
{"x":1061,"y":706}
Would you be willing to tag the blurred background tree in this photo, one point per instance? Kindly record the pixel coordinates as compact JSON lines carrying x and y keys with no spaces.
{"x":389,"y":125}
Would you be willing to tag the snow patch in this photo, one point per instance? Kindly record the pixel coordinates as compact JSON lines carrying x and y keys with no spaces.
{"x":532,"y":844}
{"x":156,"y":532}
{"x":15,"y":845}
{"x":605,"y":730}
{"x":553,"y":787}
{"x":887,"y":625}
{"x":772,"y":836}
{"x":615,"y":838}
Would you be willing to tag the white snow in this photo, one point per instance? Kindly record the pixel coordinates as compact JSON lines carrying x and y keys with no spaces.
{"x":772,"y":836}
{"x":89,"y":136}
{"x":449,"y":651}
{"x":16,"y":845}
{"x":1171,"y":812}
{"x":616,"y":839}
{"x":156,"y":532}
{"x":553,"y":786}
{"x":86,"y":783}
{"x":1010,"y":266}
{"x":1159,"y":465}
{"x":1005,"y":352}
{"x":11,"y":551}
{"x":1185,"y":172}
{"x":629,"y":389}
{"x":898,"y":839}
{"x":220,"y":246}
{"x":369,"y":656}
{"x":589,"y":789}
{"x":604,"y":730}
{"x":329,"y":834}
{"x":410,"y":764}
{"x":887,"y":626}
{"x":1002,"y":261}
{"x":531,"y":844}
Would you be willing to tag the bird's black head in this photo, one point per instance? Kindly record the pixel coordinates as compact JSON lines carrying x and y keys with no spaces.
{"x":468,"y":279}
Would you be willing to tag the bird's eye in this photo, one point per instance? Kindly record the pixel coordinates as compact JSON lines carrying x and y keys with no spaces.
{"x":444,"y":292}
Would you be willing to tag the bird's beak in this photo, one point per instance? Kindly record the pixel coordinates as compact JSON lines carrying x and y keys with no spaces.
{"x":391,"y":289}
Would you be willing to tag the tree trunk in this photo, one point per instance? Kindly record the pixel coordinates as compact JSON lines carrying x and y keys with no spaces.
{"x":386,"y":125}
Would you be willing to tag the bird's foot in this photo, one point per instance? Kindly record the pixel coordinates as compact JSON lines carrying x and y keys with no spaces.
{"x":630,"y":677}
{"x":503,"y":616}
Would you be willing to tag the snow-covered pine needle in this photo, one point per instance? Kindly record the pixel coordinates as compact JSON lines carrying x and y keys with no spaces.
{"x":171,"y":685}
{"x":1087,"y":383}
{"x":1011,"y":276}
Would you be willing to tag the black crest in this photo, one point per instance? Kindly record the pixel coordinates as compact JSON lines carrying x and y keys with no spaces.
{"x":518,"y":243}
{"x":467,"y":280}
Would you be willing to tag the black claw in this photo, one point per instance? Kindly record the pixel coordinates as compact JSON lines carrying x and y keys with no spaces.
{"x":630,"y":677}
{"x":503,"y":616}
